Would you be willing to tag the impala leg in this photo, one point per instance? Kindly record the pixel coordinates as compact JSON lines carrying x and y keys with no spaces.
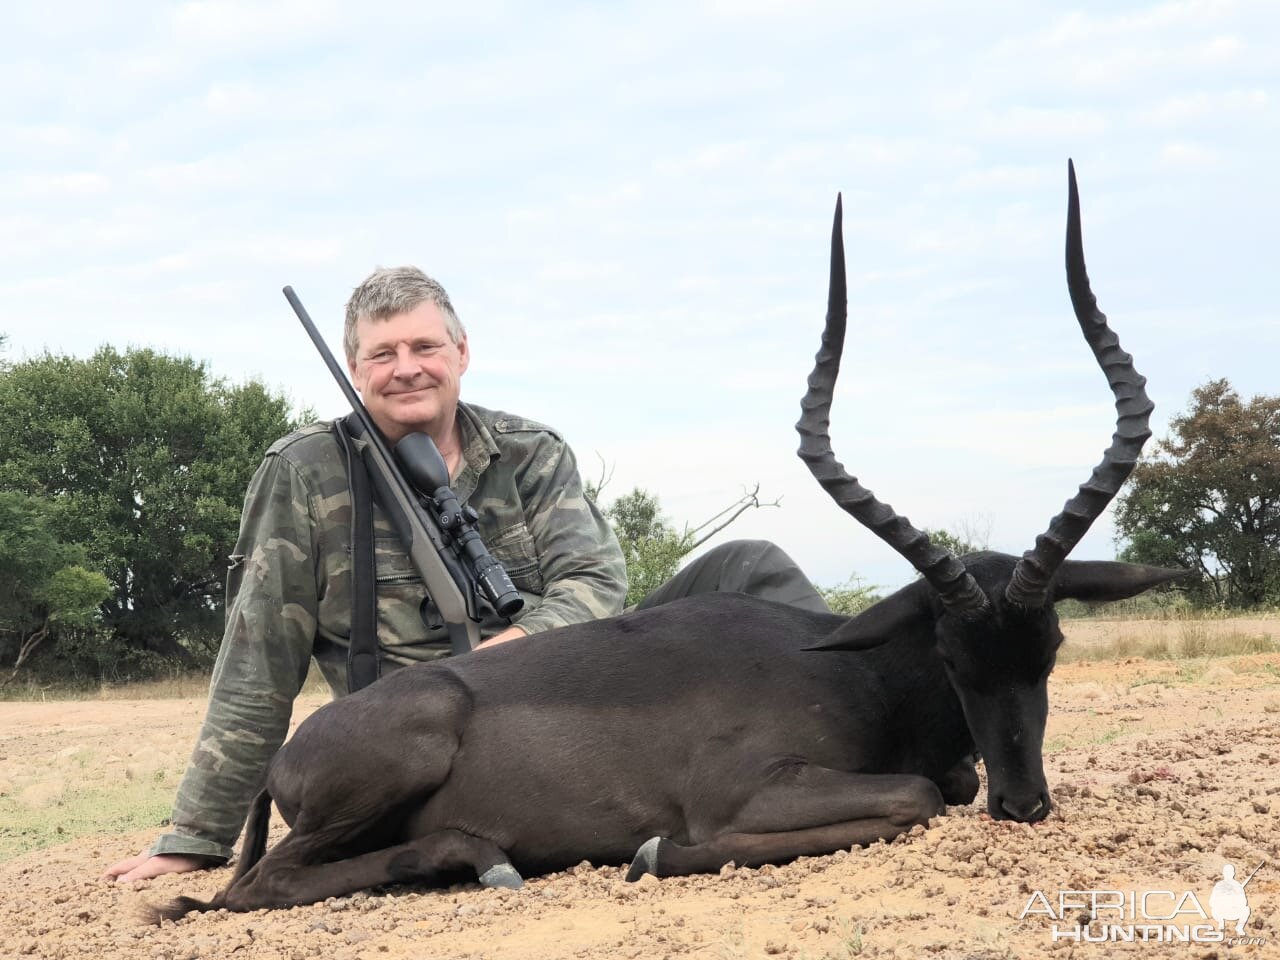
{"x":804,"y":810}
{"x":288,"y":875}
{"x":802,"y":795}
{"x":959,"y":785}
{"x":663,"y":858}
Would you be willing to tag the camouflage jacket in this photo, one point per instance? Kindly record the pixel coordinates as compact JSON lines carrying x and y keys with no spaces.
{"x":289,"y":593}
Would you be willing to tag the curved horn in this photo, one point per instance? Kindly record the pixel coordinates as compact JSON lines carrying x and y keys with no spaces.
{"x":959,"y":592}
{"x":1029,"y":586}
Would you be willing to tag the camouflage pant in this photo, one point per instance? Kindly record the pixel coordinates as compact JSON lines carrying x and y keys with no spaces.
{"x":757,"y":567}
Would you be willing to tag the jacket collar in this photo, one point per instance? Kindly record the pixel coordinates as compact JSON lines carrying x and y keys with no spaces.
{"x":479,"y":451}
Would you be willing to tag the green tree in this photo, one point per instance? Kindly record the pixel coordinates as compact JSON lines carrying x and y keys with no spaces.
{"x":968,"y":536}
{"x":144,"y":459}
{"x":652,"y":547}
{"x":46,"y":592}
{"x":851,"y":597}
{"x":1208,"y":497}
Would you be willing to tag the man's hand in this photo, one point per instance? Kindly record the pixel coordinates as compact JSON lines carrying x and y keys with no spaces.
{"x":508,"y":634}
{"x":144,"y":866}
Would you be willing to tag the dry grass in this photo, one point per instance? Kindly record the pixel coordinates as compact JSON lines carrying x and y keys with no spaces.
{"x":78,"y":810}
{"x":1186,"y":636}
{"x":1158,"y":607}
{"x":1168,"y":635}
{"x":183,"y":686}
{"x":129,"y":792}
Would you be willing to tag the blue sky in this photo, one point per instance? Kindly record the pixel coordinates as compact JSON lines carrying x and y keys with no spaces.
{"x":630,"y":206}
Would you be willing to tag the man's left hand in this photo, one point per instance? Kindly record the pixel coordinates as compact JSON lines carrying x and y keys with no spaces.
{"x":508,"y":634}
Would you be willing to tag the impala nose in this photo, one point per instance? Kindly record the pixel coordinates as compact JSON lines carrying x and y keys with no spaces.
{"x":1029,"y":808}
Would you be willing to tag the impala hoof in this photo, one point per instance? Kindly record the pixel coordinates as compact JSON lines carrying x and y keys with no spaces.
{"x":646,"y":860}
{"x":503,"y":875}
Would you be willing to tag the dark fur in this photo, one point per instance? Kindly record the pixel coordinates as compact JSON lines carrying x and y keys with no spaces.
{"x":705,"y":722}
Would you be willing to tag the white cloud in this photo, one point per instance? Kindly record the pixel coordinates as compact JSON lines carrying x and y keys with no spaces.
{"x":235,"y":98}
{"x":291,"y":248}
{"x":1077,"y":26}
{"x":1189,"y":156}
{"x":1027,"y":180}
{"x":736,"y":10}
{"x":43,"y":136}
{"x":1197,"y":107}
{"x":709,"y":158}
{"x":1131,"y":47}
{"x":1019,"y":123}
{"x":39,"y":186}
{"x":239,"y":23}
{"x":1224,"y":49}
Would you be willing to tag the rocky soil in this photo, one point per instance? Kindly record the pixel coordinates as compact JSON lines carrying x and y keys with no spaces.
{"x":1161,"y":772}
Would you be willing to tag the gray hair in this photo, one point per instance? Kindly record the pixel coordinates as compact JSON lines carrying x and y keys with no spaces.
{"x":392,"y":290}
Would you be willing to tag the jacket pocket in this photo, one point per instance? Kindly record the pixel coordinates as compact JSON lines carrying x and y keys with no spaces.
{"x":391,"y":562}
{"x":400,"y":593}
{"x":514,"y":548}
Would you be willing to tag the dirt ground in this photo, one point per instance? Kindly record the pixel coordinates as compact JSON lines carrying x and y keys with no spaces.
{"x":1162,"y":772}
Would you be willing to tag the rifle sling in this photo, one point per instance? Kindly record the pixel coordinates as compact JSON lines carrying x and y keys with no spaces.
{"x":363,"y":663}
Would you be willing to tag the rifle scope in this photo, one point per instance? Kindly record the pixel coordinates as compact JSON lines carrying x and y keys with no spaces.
{"x":426,"y":469}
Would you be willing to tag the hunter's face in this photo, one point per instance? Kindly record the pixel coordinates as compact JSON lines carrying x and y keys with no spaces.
{"x":408,"y":371}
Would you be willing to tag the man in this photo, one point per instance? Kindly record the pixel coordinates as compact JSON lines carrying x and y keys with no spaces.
{"x":289,"y":586}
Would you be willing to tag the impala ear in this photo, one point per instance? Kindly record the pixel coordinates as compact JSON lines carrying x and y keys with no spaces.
{"x":1100,"y":581}
{"x":878,"y":624}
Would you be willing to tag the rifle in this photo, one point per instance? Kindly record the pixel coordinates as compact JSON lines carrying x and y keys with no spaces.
{"x":412,"y":484}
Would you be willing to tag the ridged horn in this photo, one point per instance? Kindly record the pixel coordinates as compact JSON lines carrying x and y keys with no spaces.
{"x":959,"y":593}
{"x":1029,"y":585}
